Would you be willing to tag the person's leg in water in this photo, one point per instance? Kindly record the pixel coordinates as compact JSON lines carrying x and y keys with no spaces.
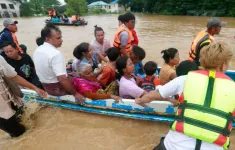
{"x":12,"y":126}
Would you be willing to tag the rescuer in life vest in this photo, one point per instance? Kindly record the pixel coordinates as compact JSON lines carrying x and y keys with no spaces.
{"x":206,"y":105}
{"x":205,"y":37}
{"x":123,"y":36}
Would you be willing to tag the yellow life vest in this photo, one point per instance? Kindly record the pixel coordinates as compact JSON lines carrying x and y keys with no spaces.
{"x":206,"y":107}
{"x":202,"y":39}
{"x":117,"y":42}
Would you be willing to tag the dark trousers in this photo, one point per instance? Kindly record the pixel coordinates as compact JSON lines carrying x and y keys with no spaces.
{"x":161,"y":145}
{"x":12,"y":126}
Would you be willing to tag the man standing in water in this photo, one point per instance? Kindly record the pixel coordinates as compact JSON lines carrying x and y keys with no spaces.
{"x":50,"y":64}
{"x":204,"y":38}
{"x":123,"y":36}
{"x":8,"y":33}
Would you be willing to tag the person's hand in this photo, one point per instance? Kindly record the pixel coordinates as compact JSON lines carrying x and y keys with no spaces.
{"x":42,"y":93}
{"x":79,"y":97}
{"x":141,"y":102}
{"x":116,"y":98}
{"x":173,"y":101}
{"x":139,"y":80}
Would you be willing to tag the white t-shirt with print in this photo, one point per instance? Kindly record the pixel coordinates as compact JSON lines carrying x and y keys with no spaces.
{"x":49,"y":63}
{"x":175,"y":140}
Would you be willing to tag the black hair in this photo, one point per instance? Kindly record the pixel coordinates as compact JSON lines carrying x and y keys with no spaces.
{"x":150,"y":68}
{"x":185,"y":66}
{"x":121,"y":64}
{"x":97,"y":29}
{"x":7,"y":43}
{"x":80,"y":49}
{"x":138,"y":52}
{"x":127,"y":17}
{"x":24,"y":48}
{"x":46,"y":32}
{"x":39,"y":41}
{"x":120,"y":18}
{"x":113,"y":53}
{"x":169,"y":54}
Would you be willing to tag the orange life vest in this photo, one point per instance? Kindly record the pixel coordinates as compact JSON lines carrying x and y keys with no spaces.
{"x":16,"y":42}
{"x":117,"y":42}
{"x":74,"y":18}
{"x":202,"y":39}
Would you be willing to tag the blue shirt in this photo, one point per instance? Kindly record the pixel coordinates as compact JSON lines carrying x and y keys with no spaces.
{"x":139,"y":69}
{"x":6,"y":35}
{"x":95,"y":62}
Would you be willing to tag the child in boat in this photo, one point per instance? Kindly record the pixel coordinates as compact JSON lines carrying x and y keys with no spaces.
{"x":87,"y":87}
{"x":109,"y":70}
{"x":171,"y":58}
{"x":215,"y":58}
{"x":128,"y":87}
{"x":150,"y":81}
{"x":137,"y":54}
{"x":22,"y":63}
{"x":84,"y":54}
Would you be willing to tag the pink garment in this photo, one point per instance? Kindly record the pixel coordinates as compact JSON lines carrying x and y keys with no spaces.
{"x":82,"y":85}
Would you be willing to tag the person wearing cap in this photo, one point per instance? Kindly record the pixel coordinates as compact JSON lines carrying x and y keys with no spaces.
{"x":8,"y":33}
{"x":205,"y":37}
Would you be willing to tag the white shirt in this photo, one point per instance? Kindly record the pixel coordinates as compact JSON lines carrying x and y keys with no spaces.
{"x":175,"y":140}
{"x":49,"y":63}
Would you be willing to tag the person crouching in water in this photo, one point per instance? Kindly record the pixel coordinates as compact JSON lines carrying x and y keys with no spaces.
{"x":206,"y":105}
{"x":88,"y":88}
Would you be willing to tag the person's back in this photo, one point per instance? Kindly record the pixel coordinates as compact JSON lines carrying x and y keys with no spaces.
{"x":109,"y":71}
{"x":150,"y":81}
{"x":171,"y":58}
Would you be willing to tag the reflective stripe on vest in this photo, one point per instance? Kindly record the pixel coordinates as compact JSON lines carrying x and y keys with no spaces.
{"x":207,"y":107}
{"x":117,"y":42}
{"x":202,"y":39}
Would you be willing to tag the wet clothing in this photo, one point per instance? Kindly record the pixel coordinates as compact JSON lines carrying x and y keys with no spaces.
{"x":7,"y":35}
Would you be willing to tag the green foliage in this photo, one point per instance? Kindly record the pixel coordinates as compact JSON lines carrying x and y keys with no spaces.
{"x":76,"y":7}
{"x":25,"y":10}
{"x":36,"y":6}
{"x":97,"y":11}
{"x":186,"y":7}
{"x":124,"y":3}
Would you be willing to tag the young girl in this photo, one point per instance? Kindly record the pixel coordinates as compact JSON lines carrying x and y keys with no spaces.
{"x":171,"y":58}
{"x":87,"y":87}
{"x":84,"y":54}
{"x":128,"y":87}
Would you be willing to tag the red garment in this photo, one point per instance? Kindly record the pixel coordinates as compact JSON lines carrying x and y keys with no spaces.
{"x":16,"y":42}
{"x":107,"y":76}
{"x":135,"y":40}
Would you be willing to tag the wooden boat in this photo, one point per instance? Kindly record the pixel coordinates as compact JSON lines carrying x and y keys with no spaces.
{"x":159,"y":111}
{"x":68,"y":24}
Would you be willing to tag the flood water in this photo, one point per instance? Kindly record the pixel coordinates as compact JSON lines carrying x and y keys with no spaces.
{"x":58,"y":129}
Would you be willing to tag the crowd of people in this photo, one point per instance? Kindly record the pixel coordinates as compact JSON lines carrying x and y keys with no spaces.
{"x":104,"y":71}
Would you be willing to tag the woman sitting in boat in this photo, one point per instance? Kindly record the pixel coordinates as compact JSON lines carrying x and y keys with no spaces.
{"x":99,"y":45}
{"x":206,"y":105}
{"x":128,"y":86}
{"x":55,"y":19}
{"x":88,"y":88}
{"x":84,"y":54}
{"x":171,"y":58}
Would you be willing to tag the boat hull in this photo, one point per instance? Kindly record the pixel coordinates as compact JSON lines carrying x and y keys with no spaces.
{"x":67,"y":24}
{"x":159,"y":111}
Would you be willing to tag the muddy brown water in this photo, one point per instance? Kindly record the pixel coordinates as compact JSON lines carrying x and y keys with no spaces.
{"x":58,"y":129}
